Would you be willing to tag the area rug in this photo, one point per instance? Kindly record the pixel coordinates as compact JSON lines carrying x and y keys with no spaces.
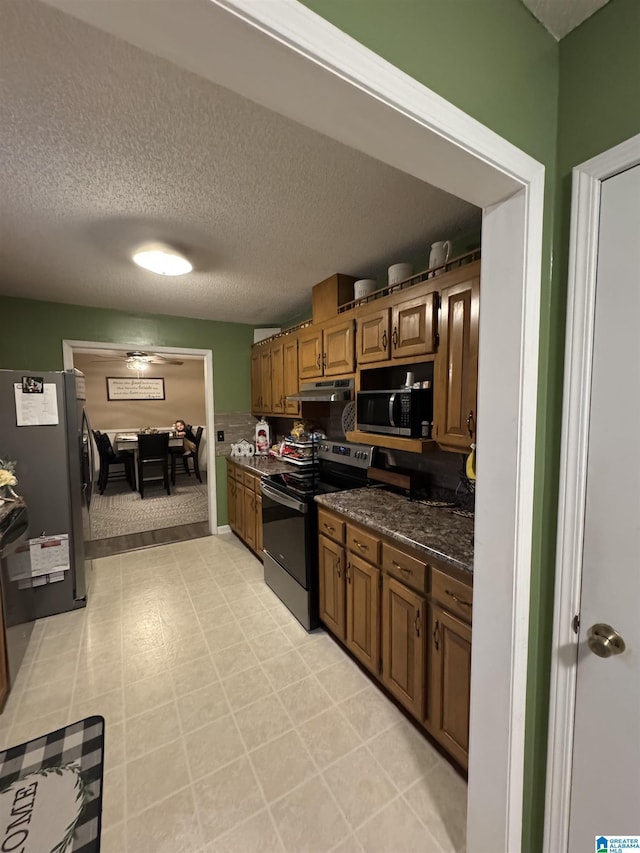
{"x":51,"y":791}
{"x":120,"y":511}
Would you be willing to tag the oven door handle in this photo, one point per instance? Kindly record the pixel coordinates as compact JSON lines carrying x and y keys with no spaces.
{"x":283,"y":499}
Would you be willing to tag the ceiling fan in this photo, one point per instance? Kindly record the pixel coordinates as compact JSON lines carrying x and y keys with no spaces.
{"x":138,"y":359}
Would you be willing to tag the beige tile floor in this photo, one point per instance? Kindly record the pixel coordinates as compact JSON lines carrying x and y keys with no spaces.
{"x":228,"y":727}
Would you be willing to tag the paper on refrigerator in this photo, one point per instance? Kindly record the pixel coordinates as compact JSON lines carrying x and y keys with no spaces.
{"x":36,"y":409}
{"x":49,"y":554}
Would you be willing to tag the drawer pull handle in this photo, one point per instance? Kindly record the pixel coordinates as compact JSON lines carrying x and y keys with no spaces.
{"x":403,"y":569}
{"x":436,"y":636}
{"x":346,"y":574}
{"x":394,"y":338}
{"x":339,"y":567}
{"x":457,"y":600}
{"x":329,"y":527}
{"x":360,"y":545}
{"x":418,"y":624}
{"x":384,"y":340}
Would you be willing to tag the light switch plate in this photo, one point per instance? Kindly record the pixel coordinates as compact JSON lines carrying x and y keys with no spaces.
{"x":220,"y":435}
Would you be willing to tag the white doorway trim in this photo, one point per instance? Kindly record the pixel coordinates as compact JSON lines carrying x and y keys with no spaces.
{"x":68,"y":349}
{"x":581,"y":299}
{"x":424,"y":135}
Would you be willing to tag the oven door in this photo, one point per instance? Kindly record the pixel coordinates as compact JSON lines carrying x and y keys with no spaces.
{"x":286,"y":532}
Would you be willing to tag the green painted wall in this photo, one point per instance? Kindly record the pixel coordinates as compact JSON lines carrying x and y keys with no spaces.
{"x":32,"y":335}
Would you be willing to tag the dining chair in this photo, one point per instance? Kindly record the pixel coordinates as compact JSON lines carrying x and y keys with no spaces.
{"x":153,"y":459}
{"x":177,"y":452}
{"x":109,"y":458}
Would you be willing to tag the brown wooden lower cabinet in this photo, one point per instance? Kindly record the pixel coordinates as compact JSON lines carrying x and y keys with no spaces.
{"x":450,"y":680}
{"x":403,"y":621}
{"x":244,"y":506}
{"x":363,"y":629}
{"x":331,"y":567}
{"x":4,"y":664}
{"x":392,"y":611}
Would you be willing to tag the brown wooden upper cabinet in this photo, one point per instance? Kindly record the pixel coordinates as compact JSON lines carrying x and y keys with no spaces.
{"x":274,"y":376}
{"x":327,"y":351}
{"x":291,"y":384}
{"x":402,"y":326}
{"x":456,"y":378}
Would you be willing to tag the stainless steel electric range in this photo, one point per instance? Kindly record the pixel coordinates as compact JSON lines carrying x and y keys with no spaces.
{"x":290,"y":522}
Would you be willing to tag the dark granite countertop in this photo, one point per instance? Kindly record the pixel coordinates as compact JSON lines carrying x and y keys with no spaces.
{"x":262,"y":464}
{"x":435,"y":531}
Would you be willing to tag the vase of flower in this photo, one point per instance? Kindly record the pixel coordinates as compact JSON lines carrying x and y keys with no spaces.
{"x":8,"y":479}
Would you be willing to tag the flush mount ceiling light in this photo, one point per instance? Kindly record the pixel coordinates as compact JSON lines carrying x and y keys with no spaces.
{"x":161,"y":259}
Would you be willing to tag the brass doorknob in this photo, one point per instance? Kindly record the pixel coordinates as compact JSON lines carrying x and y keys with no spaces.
{"x":605,"y":641}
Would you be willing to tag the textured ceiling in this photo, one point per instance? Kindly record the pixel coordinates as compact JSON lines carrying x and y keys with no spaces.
{"x":559,"y":17}
{"x":105,"y":146}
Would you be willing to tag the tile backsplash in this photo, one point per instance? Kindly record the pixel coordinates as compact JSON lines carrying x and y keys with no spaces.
{"x":236,"y":426}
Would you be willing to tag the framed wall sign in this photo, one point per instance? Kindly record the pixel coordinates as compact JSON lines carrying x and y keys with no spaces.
{"x":134,"y":388}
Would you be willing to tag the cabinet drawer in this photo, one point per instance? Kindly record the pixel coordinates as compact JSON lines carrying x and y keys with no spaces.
{"x":363,"y":544}
{"x":331,"y":526}
{"x":252,"y":481}
{"x":454,"y":595}
{"x":408,"y":569}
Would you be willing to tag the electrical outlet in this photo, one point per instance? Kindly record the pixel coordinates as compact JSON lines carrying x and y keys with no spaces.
{"x":220,"y":435}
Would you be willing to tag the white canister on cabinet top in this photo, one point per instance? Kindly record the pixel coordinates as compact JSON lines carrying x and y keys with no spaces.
{"x":439,"y":254}
{"x":363,"y":287}
{"x":398,"y":272}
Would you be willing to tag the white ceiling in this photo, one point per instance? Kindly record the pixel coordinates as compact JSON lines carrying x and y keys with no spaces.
{"x":559,"y":17}
{"x":105,"y":146}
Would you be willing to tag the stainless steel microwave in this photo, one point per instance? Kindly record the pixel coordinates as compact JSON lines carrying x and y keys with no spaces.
{"x":399,"y":412}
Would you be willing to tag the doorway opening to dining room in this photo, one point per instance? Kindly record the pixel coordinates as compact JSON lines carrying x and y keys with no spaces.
{"x":131,"y":391}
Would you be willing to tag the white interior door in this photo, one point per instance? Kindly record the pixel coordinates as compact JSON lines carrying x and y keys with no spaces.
{"x":605,"y":788}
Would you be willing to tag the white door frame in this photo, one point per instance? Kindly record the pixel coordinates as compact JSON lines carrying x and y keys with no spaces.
{"x":285,"y":57}
{"x":68,"y":349}
{"x":581,"y":298}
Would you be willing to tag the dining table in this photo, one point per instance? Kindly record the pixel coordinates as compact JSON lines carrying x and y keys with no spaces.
{"x":129,"y":440}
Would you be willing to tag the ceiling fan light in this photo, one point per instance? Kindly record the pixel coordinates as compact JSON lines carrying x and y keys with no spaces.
{"x":136,"y":364}
{"x":161,"y":259}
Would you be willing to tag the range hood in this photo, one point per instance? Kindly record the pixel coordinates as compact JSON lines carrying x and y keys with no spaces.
{"x":326,"y":391}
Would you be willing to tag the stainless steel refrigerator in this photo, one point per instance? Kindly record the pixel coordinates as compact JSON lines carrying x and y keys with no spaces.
{"x":54,"y":471}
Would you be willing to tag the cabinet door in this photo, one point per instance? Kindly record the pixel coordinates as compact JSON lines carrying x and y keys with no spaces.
{"x":310,"y":354}
{"x":291,"y":382}
{"x":363,"y":612}
{"x":414,"y":326}
{"x":339,"y":349}
{"x":239,"y":502}
{"x":265,"y":379}
{"x":403,"y":620}
{"x":277,"y":376}
{"x":231,"y":497}
{"x":249,"y":500}
{"x":256,"y":385}
{"x":456,"y":381}
{"x":373,"y":341}
{"x":4,"y":665}
{"x":450,"y":683}
{"x":259,"y":544}
{"x":332,"y":586}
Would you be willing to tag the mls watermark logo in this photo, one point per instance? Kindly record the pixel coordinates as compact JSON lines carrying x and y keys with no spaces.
{"x":243,"y":448}
{"x":616,"y":843}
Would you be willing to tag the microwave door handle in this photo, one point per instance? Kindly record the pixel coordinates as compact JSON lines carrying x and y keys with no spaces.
{"x":392,"y":400}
